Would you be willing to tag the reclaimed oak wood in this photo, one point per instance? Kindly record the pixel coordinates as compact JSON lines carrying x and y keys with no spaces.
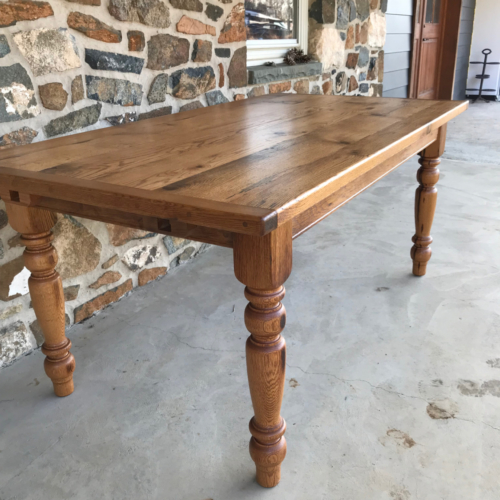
{"x":251,"y":175}
{"x":244,"y":167}
{"x":46,"y":290}
{"x":263,"y":264}
{"x":425,"y":202}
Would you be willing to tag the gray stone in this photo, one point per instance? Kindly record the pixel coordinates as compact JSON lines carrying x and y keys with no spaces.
{"x":190,"y":106}
{"x":202,"y":51}
{"x":237,"y":72}
{"x":17,"y":94}
{"x":364,"y":88}
{"x":362,"y":77}
{"x":175,"y":262}
{"x":4,"y":219}
{"x":266,"y":74}
{"x":363,"y":9}
{"x":48,"y":50}
{"x":383,"y":5}
{"x":121,"y":119}
{"x":186,"y":255}
{"x":36,"y":330}
{"x":110,"y":61}
{"x":158,"y":89}
{"x":189,"y":83}
{"x":214,"y":12}
{"x":316,"y":90}
{"x":340,"y":82}
{"x":215,"y":97}
{"x":173,"y":244}
{"x":323,"y":11}
{"x":73,"y":121}
{"x":1,"y":250}
{"x":364,"y":57}
{"x":4,"y":46}
{"x":223,"y":52}
{"x":10,"y":311}
{"x":194,"y":5}
{"x":165,"y":51}
{"x":343,"y":14}
{"x":113,"y":91}
{"x":353,"y":14}
{"x":343,"y":36}
{"x":15,"y":340}
{"x":149,"y":12}
{"x":137,"y":257}
{"x":167,"y":110}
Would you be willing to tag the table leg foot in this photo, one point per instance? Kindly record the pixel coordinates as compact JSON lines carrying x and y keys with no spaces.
{"x":46,"y":291}
{"x":265,"y":318}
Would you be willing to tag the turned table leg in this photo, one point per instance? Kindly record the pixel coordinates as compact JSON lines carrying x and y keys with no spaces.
{"x":425,"y":203}
{"x":263,"y":264}
{"x":46,"y":291}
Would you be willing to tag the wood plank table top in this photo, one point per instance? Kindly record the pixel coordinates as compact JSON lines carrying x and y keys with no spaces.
{"x":245,"y":167}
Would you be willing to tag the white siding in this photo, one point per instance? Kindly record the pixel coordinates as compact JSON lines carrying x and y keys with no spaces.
{"x":398,"y":48}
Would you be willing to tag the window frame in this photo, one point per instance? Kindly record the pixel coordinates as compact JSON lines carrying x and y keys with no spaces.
{"x":261,"y":51}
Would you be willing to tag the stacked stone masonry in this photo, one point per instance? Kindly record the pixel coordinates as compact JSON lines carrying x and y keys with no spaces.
{"x":70,"y":66}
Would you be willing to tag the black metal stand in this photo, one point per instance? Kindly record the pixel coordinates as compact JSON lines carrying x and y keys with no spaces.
{"x":483,"y":76}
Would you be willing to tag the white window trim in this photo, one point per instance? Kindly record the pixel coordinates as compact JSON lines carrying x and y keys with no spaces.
{"x":261,"y":51}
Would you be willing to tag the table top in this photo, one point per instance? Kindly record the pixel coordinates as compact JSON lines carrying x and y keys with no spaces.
{"x":246,"y":166}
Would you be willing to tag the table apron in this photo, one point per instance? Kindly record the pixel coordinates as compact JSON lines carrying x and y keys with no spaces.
{"x":168,"y":227}
{"x":310,"y":217}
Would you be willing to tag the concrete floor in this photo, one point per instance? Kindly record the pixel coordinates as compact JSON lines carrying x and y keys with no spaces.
{"x":393,"y":382}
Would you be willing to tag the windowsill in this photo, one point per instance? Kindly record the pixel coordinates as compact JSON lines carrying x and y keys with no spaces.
{"x":267,"y":74}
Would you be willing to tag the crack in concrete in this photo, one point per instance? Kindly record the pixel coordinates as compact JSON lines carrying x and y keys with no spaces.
{"x":377,"y":387}
{"x":203,"y":348}
{"x":24,"y":469}
{"x":346,"y":381}
{"x":179,"y":340}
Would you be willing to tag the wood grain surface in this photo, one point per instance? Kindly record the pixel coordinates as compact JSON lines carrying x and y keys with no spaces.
{"x":245,"y":167}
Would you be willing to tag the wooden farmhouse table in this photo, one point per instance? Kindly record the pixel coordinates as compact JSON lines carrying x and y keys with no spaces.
{"x":251,"y":175}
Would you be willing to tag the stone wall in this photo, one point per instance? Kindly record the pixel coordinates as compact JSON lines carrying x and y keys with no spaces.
{"x":69,"y":66}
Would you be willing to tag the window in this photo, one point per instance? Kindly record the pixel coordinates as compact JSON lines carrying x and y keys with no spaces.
{"x":433,"y":11}
{"x":273,"y":27}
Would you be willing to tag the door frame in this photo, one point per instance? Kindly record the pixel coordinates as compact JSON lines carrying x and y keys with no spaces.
{"x":451,"y":11}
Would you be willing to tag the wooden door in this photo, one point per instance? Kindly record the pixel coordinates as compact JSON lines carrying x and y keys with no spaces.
{"x":427,"y":45}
